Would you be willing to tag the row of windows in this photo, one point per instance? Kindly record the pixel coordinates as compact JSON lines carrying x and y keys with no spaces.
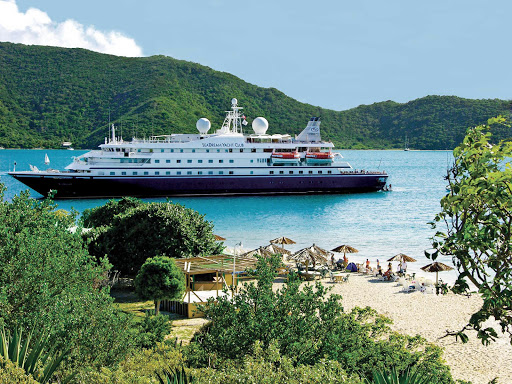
{"x":221,"y":161}
{"x":168,"y":173}
{"x":229,"y":150}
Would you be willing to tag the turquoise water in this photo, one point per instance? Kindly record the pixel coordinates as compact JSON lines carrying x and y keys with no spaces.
{"x":379,"y":225}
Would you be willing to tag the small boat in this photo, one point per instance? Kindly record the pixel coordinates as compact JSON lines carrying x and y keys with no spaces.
{"x":406,"y":145}
{"x":285,"y":157}
{"x":319,"y":157}
{"x":46,"y":159}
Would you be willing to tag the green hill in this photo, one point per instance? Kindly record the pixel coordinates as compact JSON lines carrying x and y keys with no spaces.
{"x":49,"y":95}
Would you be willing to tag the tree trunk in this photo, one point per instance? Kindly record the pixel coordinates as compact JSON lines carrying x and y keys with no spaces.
{"x":157,"y":307}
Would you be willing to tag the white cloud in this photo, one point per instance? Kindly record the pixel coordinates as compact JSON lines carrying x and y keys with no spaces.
{"x":36,"y":27}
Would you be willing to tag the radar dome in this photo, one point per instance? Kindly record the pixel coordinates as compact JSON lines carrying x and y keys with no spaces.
{"x":203,"y":125}
{"x":260,"y":125}
{"x":234,"y":101}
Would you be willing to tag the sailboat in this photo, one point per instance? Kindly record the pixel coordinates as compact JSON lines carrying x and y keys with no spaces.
{"x":406,"y":146}
{"x":46,"y":159}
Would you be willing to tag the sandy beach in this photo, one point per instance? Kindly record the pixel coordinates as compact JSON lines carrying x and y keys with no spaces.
{"x":430,"y":316}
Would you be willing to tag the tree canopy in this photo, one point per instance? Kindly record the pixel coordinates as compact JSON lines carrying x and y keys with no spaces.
{"x":160,"y":279}
{"x":475,"y":226}
{"x":49,"y":95}
{"x":49,"y":282}
{"x":138,"y":231}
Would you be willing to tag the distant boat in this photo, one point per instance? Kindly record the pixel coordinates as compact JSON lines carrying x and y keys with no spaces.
{"x":46,"y":159}
{"x":406,"y":146}
{"x":71,"y":149}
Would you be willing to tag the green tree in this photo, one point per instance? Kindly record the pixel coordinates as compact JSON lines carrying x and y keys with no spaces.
{"x":104,"y":215}
{"x":159,"y":279}
{"x":149,"y":229}
{"x":49,"y":281}
{"x":307,"y":324}
{"x":475,"y":226}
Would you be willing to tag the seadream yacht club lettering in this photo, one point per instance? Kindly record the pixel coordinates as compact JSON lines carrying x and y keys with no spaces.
{"x":224,"y":162}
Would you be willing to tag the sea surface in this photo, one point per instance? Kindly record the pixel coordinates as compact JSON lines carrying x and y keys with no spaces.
{"x":379,"y":224}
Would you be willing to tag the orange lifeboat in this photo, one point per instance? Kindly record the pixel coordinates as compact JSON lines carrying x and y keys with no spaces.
{"x":285,"y":157}
{"x":319,"y":157}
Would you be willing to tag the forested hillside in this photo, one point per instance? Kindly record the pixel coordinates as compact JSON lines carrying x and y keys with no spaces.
{"x":49,"y":95}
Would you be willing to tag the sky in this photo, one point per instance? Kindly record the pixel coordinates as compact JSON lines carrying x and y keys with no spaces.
{"x":335,"y":54}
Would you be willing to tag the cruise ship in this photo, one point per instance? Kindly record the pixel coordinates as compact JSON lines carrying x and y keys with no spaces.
{"x":223,"y":162}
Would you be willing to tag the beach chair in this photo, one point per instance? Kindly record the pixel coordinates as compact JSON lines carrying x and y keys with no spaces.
{"x":345,"y":279}
{"x":339,"y":278}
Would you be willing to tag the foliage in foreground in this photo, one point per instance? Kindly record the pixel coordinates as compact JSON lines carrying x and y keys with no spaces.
{"x":49,"y":281}
{"x":409,"y":376}
{"x":160,"y":279}
{"x":307,"y":325}
{"x":36,"y":357}
{"x":475,"y":226}
{"x":12,"y":374}
{"x":137,"y":231}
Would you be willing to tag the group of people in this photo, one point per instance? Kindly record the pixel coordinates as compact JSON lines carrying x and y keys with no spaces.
{"x":402,"y":268}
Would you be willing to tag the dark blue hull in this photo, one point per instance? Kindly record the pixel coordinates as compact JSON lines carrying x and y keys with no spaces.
{"x":69,"y":185}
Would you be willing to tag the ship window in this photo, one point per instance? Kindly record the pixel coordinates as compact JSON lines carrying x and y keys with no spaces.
{"x":253,"y":150}
{"x":252,"y":172}
{"x":210,"y":161}
{"x":189,"y":161}
{"x":181,"y":150}
{"x":207,"y":151}
{"x":172,"y":150}
{"x":157,"y":161}
{"x":221,"y":161}
{"x":221,"y":172}
{"x":178,"y":173}
{"x":189,"y":172}
{"x":291,"y":172}
{"x":230,"y":172}
{"x":167,"y":161}
{"x":178,"y":161}
{"x":134,"y":173}
{"x":281,"y":172}
{"x":218,"y":150}
{"x":301,"y":172}
{"x":123,"y":173}
{"x":210,"y":172}
{"x":199,"y":161}
{"x":138,"y":150}
{"x":157,"y":173}
{"x":319,"y":172}
{"x":310,"y":172}
{"x":229,"y":150}
{"x":193,"y":150}
{"x":231,"y":161}
{"x":167,"y":173}
{"x":112,"y":173}
{"x":329,"y":172}
{"x":200,"y":173}
{"x":146,"y":173}
{"x":162,"y":150}
{"x":252,"y":161}
{"x":241,"y":150}
{"x":271,"y":172}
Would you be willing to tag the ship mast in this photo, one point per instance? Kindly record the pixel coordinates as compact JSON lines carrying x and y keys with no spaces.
{"x":233,"y":121}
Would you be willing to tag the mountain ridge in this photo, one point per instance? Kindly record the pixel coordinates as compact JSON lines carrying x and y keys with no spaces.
{"x":49,"y":95}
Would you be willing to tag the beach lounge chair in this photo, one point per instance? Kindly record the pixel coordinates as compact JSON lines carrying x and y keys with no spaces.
{"x":345,"y":279}
{"x":339,"y":278}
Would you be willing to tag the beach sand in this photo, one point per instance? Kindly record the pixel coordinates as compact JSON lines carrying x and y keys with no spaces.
{"x":430,"y":316}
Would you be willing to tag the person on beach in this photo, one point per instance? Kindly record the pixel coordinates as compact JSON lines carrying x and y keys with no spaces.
{"x":345,"y":261}
{"x":388,"y":273}
{"x":368,"y":268}
{"x":404,"y":267}
{"x":379,"y":268}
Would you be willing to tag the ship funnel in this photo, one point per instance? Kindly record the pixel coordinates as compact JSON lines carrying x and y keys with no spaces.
{"x":312,"y":131}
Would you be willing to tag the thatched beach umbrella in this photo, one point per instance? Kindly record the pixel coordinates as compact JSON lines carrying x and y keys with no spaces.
{"x":402,"y":257}
{"x":219,"y":238}
{"x":258,"y":251}
{"x":282,"y":240}
{"x":274,"y":249}
{"x":436,"y":267}
{"x":344,"y":249}
{"x":313,"y":254}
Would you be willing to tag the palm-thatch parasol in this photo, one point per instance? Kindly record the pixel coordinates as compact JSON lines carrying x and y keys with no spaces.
{"x":314,"y":254}
{"x":402,"y":257}
{"x":345,"y":249}
{"x":274,"y":249}
{"x":436,"y":267}
{"x":219,"y":238}
{"x":258,"y":251}
{"x":282,"y":240}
